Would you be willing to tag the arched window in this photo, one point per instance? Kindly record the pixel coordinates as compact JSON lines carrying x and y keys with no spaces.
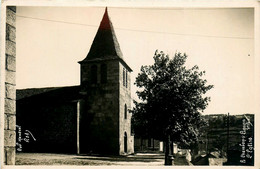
{"x":123,"y":76}
{"x":126,"y":78}
{"x":103,"y":73}
{"x":125,"y":111}
{"x":93,"y":74}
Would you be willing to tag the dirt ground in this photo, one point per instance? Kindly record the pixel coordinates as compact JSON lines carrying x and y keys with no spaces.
{"x":138,"y":159}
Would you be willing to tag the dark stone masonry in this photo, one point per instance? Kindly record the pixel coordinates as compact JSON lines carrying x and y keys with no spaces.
{"x":92,"y":118}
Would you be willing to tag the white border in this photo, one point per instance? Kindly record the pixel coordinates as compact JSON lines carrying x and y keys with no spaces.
{"x":135,"y":3}
{"x":2,"y":82}
{"x":257,"y":83}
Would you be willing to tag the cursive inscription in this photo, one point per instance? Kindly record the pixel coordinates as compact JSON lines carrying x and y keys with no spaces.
{"x":25,"y":136}
{"x":246,"y":142}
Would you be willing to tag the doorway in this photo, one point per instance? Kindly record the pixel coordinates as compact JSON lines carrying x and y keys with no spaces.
{"x":125,"y":142}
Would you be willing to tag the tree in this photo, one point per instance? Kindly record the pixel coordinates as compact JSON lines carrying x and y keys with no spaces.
{"x":172,"y":99}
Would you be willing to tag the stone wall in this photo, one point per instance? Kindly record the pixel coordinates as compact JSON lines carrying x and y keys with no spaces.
{"x":103,"y":124}
{"x":125,"y":124}
{"x":99,"y":126}
{"x":51,"y":121}
{"x":10,"y":90}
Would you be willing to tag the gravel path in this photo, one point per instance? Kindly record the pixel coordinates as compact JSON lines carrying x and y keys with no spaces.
{"x":139,"y":159}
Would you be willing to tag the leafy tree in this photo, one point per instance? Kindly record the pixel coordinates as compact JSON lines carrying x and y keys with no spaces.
{"x":172,"y":99}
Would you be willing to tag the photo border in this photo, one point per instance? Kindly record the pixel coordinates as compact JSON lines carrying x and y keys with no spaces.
{"x":135,"y":4}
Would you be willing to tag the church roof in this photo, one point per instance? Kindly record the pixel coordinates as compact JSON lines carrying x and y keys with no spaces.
{"x":105,"y":45}
{"x":69,"y":92}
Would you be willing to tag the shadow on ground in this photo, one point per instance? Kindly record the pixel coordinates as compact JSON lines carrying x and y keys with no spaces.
{"x":139,"y":157}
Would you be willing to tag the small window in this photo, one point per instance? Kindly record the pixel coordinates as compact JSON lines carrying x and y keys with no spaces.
{"x":125,"y":111}
{"x":93,"y":74}
{"x":123,"y":76}
{"x":103,"y":73}
{"x":126,"y":78}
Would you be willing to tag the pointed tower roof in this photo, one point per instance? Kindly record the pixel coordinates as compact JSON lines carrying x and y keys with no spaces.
{"x":105,"y":45}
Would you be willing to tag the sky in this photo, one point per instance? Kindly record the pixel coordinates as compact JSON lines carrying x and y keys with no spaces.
{"x":51,"y":41}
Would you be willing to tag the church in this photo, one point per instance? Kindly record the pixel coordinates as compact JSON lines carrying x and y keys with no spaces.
{"x":92,"y":118}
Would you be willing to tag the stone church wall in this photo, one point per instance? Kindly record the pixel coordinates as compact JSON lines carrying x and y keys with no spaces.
{"x":125,"y":99}
{"x":10,"y":91}
{"x":52,"y":122}
{"x":99,"y":121}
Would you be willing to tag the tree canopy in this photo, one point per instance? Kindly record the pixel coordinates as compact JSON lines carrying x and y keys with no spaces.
{"x":172,"y":99}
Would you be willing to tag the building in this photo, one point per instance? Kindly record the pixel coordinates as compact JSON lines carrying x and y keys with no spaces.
{"x":90,"y":118}
{"x":144,"y":144}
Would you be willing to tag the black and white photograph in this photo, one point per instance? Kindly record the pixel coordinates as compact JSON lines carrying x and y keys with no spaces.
{"x":112,"y":85}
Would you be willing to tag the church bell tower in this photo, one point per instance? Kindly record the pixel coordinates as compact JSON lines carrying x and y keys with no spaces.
{"x":105,"y":121}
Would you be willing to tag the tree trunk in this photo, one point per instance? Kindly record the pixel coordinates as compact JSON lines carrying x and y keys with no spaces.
{"x":171,"y":148}
{"x":141,"y":144}
{"x":168,"y":156}
{"x":153,"y":144}
{"x":166,"y":151}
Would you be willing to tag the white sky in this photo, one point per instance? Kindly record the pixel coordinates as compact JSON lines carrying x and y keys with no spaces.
{"x":219,"y":41}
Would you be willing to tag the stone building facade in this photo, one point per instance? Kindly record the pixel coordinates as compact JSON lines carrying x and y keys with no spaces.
{"x":10,"y":96}
{"x":91,"y":118}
